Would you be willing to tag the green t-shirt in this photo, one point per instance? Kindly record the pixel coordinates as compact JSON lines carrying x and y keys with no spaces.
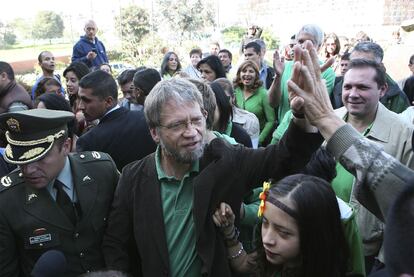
{"x":258,"y":103}
{"x":177,"y":206}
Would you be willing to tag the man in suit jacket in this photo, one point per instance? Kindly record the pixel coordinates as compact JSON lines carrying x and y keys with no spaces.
{"x":165,"y":201}
{"x":121,"y":133}
{"x":55,"y":200}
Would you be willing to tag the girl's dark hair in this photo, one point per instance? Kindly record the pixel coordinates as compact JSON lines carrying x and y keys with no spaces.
{"x":78,"y":68}
{"x":164,"y":64}
{"x":46,"y":81}
{"x":323,"y":248}
{"x":238,"y":81}
{"x":59,"y":103}
{"x":224,"y":106}
{"x":215,"y":64}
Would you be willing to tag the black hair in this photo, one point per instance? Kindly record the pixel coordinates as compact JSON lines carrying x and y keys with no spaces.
{"x":411,"y":60}
{"x":346,"y":56}
{"x":224,"y":106}
{"x":5,"y":67}
{"x":126,"y":76}
{"x":41,"y":86}
{"x":102,"y":84}
{"x":39,"y":58}
{"x":215,"y":64}
{"x":164,"y":64}
{"x":78,"y":68}
{"x":380,"y":76}
{"x":323,"y":248}
{"x":227,"y":52}
{"x":256,"y":47}
{"x":57,"y":102}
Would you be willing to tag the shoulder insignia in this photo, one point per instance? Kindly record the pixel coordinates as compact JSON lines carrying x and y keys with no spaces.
{"x":6,"y":181}
{"x":96,"y":155}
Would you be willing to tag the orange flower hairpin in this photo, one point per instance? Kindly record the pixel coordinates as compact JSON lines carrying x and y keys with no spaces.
{"x":262,"y":197}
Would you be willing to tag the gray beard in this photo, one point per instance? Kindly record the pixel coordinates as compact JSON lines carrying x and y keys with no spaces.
{"x":186,"y":158}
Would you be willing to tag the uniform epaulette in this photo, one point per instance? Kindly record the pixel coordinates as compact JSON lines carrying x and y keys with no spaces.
{"x":10,"y":180}
{"x":91,"y":156}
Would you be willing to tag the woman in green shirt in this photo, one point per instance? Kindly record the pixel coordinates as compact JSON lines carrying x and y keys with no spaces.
{"x":252,"y":96}
{"x":170,"y":65}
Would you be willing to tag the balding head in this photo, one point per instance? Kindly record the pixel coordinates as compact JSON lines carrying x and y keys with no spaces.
{"x":90,"y":29}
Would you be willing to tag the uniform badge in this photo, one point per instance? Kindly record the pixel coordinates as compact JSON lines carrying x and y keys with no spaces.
{"x":40,"y":239}
{"x":13,"y":124}
{"x":31,"y":153}
{"x":6,"y":181}
{"x":86,"y":178}
{"x":96,"y":155}
{"x":8,"y":151}
{"x":31,"y":196}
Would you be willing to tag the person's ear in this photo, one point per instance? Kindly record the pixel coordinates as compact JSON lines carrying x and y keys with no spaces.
{"x":155,"y":135}
{"x":383,"y":89}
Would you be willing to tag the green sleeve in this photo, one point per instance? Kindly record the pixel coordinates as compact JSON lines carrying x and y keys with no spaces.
{"x":269,"y":115}
{"x":281,"y":129}
{"x":251,"y":206}
{"x":356,"y":262}
{"x":329,"y":77}
{"x":399,"y":105}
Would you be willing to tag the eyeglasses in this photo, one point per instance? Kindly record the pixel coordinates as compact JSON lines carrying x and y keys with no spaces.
{"x":182,"y":126}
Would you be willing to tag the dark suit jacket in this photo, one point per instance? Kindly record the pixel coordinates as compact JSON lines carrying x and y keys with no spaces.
{"x":31,"y":222}
{"x":227,"y":172}
{"x":122,"y":134}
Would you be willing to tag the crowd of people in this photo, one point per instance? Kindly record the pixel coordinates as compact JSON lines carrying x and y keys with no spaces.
{"x":299,"y":168}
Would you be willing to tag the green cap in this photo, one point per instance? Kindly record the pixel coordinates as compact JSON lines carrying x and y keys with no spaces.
{"x":30,"y":134}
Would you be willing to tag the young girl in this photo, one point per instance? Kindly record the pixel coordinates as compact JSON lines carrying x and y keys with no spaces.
{"x":300,"y":234}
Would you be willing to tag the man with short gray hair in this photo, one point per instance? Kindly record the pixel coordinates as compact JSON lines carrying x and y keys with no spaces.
{"x":165,"y":200}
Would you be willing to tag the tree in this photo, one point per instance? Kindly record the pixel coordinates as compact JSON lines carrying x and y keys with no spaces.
{"x":7,"y":36}
{"x":48,"y":25}
{"x":133,"y":25}
{"x":22,"y":28}
{"x":187,"y":18}
{"x":233,"y":35}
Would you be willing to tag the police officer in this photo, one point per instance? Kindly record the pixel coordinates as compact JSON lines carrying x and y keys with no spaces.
{"x":55,"y":200}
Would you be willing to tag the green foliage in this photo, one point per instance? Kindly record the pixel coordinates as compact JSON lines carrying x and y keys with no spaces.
{"x":271,"y":40}
{"x":132,"y":25}
{"x":150,"y":52}
{"x":188,"y":19}
{"x":48,"y":25}
{"x":233,"y":35}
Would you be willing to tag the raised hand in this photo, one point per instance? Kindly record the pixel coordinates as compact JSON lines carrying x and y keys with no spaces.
{"x":307,"y":90}
{"x":278,"y":63}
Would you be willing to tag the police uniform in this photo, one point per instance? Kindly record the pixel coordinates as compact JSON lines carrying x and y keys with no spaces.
{"x":31,"y":221}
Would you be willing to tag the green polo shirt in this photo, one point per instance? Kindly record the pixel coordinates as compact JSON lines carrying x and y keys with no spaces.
{"x":343,"y":182}
{"x":177,"y":206}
